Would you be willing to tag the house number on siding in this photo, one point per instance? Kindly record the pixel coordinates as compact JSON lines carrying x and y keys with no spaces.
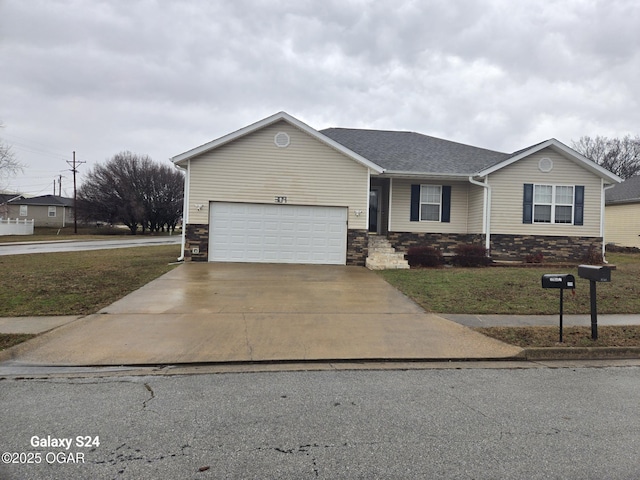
{"x":281,"y":199}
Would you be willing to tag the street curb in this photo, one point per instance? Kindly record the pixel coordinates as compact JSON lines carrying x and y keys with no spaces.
{"x":580,"y":353}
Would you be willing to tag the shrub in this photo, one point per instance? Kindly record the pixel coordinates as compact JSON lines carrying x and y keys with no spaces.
{"x":534,"y":258}
{"x":424,"y":256}
{"x":593,"y":256}
{"x":471,"y":256}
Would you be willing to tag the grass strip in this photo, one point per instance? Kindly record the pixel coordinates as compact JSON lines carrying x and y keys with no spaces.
{"x":525,"y":337}
{"x":10,"y":339}
{"x":517,"y":291}
{"x":77,"y":283}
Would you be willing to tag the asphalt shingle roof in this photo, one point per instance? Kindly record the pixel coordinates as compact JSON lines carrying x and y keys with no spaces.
{"x":627,"y":191}
{"x":415,"y":153}
{"x":47,"y":200}
{"x":5,"y":197}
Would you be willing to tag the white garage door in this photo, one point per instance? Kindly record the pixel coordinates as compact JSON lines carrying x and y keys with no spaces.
{"x":248,"y":232}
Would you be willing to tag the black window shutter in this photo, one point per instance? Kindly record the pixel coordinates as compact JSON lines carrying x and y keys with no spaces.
{"x":446,"y":204}
{"x":527,"y":203}
{"x":415,"y":203}
{"x":578,"y":213}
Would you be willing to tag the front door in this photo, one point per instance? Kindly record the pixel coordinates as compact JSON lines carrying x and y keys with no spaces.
{"x":375,"y":198}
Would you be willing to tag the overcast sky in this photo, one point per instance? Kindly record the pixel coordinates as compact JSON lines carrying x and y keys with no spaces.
{"x":161,"y":77}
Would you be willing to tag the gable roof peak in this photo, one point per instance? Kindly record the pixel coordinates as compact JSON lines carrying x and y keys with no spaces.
{"x":265,"y":122}
{"x":559,"y":148}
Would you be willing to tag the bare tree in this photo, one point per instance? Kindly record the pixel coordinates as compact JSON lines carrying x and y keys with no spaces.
{"x":9,"y":164}
{"x":134,"y":190}
{"x":618,"y":155}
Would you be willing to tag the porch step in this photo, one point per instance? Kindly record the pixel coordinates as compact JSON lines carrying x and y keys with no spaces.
{"x":382,"y":256}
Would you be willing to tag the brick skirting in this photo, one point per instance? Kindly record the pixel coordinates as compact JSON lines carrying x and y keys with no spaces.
{"x":445,"y":242}
{"x":517,"y":247}
{"x":503,"y":247}
{"x":357,"y":247}
{"x":197,"y":235}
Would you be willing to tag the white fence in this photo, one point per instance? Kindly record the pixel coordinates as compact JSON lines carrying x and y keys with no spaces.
{"x":16,"y":226}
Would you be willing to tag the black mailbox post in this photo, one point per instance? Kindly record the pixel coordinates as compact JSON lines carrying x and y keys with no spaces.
{"x":594,"y":273}
{"x":561,"y":281}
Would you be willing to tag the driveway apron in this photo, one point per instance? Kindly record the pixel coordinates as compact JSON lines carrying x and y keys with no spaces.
{"x":231,"y":312}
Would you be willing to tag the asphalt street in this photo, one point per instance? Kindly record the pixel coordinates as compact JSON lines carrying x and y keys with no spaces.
{"x":529,"y":423}
{"x":73,"y":246}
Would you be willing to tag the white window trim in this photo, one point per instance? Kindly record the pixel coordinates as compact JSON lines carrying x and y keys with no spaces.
{"x":51,"y":209}
{"x":553,"y":204}
{"x":24,"y":210}
{"x":428,"y":203}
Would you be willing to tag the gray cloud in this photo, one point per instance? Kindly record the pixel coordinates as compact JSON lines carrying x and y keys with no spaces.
{"x":162,"y":77}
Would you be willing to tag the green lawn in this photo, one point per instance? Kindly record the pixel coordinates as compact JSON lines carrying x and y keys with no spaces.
{"x":517,"y":291}
{"x":77,"y":283}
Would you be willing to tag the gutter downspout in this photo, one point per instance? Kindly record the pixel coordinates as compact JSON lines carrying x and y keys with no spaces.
{"x":185,"y":208}
{"x":486,"y":213}
{"x":602,"y":207}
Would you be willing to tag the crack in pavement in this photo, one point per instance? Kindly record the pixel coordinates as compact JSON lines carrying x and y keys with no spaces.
{"x":153,"y":395}
{"x":246,"y":337}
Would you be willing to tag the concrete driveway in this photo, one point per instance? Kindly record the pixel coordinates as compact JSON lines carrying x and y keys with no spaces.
{"x":222,"y":312}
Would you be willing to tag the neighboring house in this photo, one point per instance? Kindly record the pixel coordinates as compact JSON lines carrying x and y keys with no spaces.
{"x":280,"y":191}
{"x":5,"y":198}
{"x":46,"y":211}
{"x":622,"y":224}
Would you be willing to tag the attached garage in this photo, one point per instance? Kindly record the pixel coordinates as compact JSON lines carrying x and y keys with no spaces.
{"x":275,"y":233}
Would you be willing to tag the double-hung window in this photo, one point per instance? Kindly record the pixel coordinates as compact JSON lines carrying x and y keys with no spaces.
{"x":24,"y":210}
{"x":553,"y":204}
{"x":52,"y":211}
{"x":430,"y":203}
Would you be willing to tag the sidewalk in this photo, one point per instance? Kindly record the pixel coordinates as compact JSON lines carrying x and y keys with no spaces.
{"x":33,"y":324}
{"x":43,"y":324}
{"x":540,"y":320}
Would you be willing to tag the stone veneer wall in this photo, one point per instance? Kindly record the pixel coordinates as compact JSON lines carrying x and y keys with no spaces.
{"x":445,"y":242}
{"x":517,"y":247}
{"x":357,"y":247}
{"x":503,"y":247}
{"x":197,"y":235}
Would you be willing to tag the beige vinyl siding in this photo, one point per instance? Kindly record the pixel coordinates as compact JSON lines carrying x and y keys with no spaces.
{"x":401,"y":208}
{"x":475,"y":222}
{"x":507,"y":196}
{"x":622,"y":224}
{"x":253,"y":169}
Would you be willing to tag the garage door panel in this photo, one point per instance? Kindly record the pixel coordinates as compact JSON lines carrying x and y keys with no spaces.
{"x":277,"y":233}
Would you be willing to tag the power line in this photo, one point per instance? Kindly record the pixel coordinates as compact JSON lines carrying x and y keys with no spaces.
{"x":32,"y":146}
{"x":74,"y":168}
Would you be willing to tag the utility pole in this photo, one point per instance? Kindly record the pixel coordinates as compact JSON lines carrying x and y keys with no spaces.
{"x":74,"y":168}
{"x":59,"y":186}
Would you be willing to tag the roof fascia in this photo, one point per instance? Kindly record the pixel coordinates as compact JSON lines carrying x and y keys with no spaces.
{"x":182,"y":158}
{"x":561,"y":148}
{"x":622,"y":202}
{"x":425,"y":175}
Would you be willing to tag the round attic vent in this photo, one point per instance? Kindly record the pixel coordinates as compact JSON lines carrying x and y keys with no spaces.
{"x":545,"y":165}
{"x":281,"y":140}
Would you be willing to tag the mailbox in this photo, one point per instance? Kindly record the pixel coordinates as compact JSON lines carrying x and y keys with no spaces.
{"x":595,"y":273}
{"x":559,"y":280}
